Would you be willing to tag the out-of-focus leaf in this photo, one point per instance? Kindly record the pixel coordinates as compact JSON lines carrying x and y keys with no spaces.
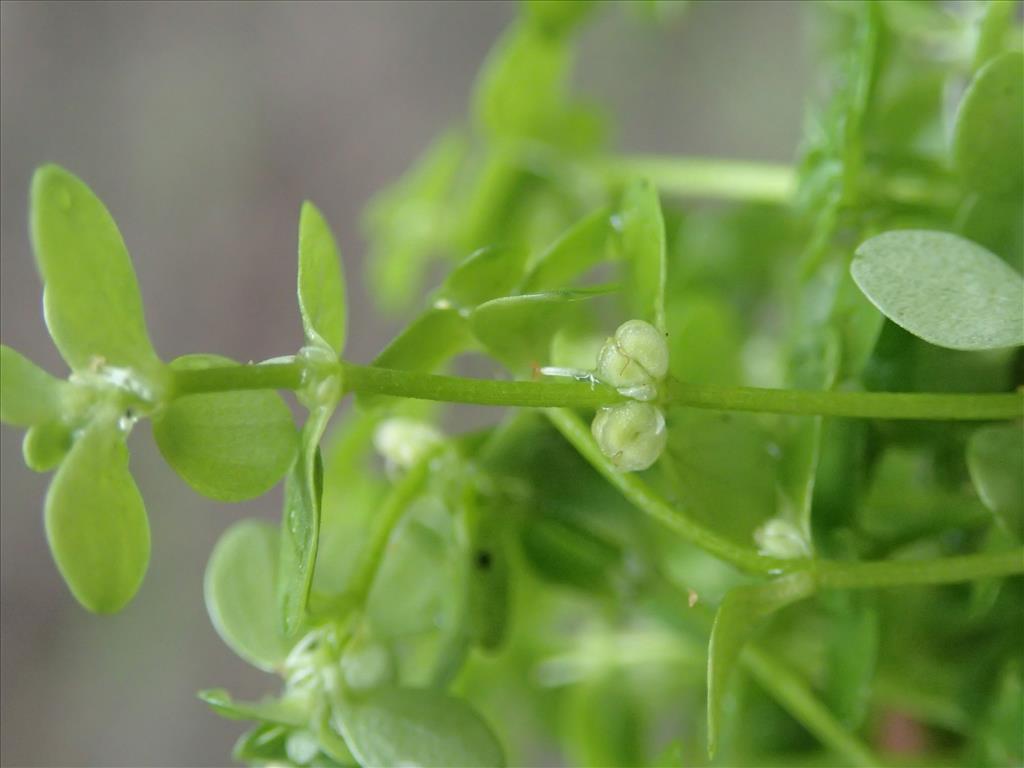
{"x":28,"y":394}
{"x":704,"y":338}
{"x":489,"y":581}
{"x":485,"y":274}
{"x":321,"y":281}
{"x":995,"y":223}
{"x":852,"y":654}
{"x":279,"y":711}
{"x":96,"y":521}
{"x":740,"y":613}
{"x":995,"y":30}
{"x":239,"y":589}
{"x":603,"y":723}
{"x":996,"y":736}
{"x":942,"y":288}
{"x":563,"y":553}
{"x":988,"y":138}
{"x":229,"y":446}
{"x":578,"y":249}
{"x":518,"y":329}
{"x":558,"y":17}
{"x":642,"y":229}
{"x":995,"y":458}
{"x":45,"y":445}
{"x":417,"y":726}
{"x":92,"y":302}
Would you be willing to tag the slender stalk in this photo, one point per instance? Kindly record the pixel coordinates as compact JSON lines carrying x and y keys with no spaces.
{"x":869,"y":405}
{"x":646,"y":499}
{"x":427,"y":386}
{"x":898,"y":573}
{"x":227,"y":378}
{"x":710,"y":178}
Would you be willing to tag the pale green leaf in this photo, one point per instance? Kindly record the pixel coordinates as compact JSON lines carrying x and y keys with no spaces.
{"x":92,"y":302}
{"x":45,"y":445}
{"x":485,"y":274}
{"x":279,"y":711}
{"x":988,"y":137}
{"x":416,"y":726}
{"x":739,"y":615}
{"x":578,"y":249}
{"x":995,"y":458}
{"x":96,"y":521}
{"x":229,"y":446}
{"x":642,"y":229}
{"x":239,"y":588}
{"x":944,"y":289}
{"x":321,"y":281}
{"x":28,"y":394}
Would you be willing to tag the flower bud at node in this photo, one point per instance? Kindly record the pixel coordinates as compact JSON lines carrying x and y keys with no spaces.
{"x":634,"y":360}
{"x":403,"y":442}
{"x":632,"y":435}
{"x":781,"y":538}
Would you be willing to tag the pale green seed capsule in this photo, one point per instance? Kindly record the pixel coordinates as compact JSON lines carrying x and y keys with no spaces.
{"x":632,"y":435}
{"x":634,"y":360}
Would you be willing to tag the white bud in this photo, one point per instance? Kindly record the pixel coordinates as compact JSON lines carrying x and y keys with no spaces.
{"x":634,"y":360}
{"x":781,"y":538}
{"x":632,"y":435}
{"x":403,"y":442}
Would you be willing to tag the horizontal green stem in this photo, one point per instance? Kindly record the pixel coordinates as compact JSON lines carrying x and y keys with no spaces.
{"x":898,"y":573}
{"x":709,"y":177}
{"x":645,"y":498}
{"x":427,"y":386}
{"x":227,"y":378}
{"x":868,"y":405}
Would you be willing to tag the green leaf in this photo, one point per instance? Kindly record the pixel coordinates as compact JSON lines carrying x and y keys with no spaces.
{"x":988,"y":137}
{"x":558,"y":17}
{"x":46,"y":445}
{"x":578,"y":249}
{"x":518,"y":329}
{"x":740,"y":613}
{"x":642,"y":229}
{"x":561,"y":552}
{"x":92,"y":302}
{"x":279,"y":711}
{"x":321,"y":281}
{"x":96,"y":521}
{"x":946,"y":290}
{"x":488,"y":575}
{"x":300,"y":523}
{"x":239,"y":589}
{"x":229,"y":446}
{"x":28,"y":394}
{"x":417,"y":726}
{"x":485,"y":274}
{"x":263,"y":745}
{"x":995,"y":458}
{"x":853,"y":639}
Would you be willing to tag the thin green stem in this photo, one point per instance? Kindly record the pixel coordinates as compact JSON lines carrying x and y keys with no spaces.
{"x":787,"y":688}
{"x":645,"y":498}
{"x":899,"y":573}
{"x":708,"y":177}
{"x":869,"y":405}
{"x":427,"y":386}
{"x":225,"y":378}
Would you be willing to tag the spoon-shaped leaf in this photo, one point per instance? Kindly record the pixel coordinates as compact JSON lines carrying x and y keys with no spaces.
{"x":96,"y":521}
{"x":995,"y":459}
{"x":321,"y":281}
{"x":92,"y":302}
{"x":28,"y":394}
{"x":737,"y":618}
{"x":45,"y":445}
{"x":988,"y":138}
{"x":239,"y":589}
{"x":229,"y":446}
{"x":944,"y":289}
{"x":415,"y":726}
{"x":643,"y":246}
{"x":300,"y":523}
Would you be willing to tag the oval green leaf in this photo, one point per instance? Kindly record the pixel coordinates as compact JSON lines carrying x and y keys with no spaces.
{"x":995,"y":459}
{"x":421,"y":727}
{"x":484,"y":274}
{"x":642,"y":228}
{"x":92,"y":302}
{"x":739,"y":614}
{"x":578,"y":249}
{"x":988,"y":137}
{"x":28,"y":394}
{"x":229,"y":446}
{"x":46,"y":445}
{"x":239,"y":589}
{"x":944,"y":289}
{"x":321,"y":281}
{"x":96,"y":521}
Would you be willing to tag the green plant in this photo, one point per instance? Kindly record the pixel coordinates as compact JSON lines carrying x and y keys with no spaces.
{"x":804,"y":456}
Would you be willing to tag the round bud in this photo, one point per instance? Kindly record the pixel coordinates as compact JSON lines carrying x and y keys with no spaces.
{"x":634,"y":359}
{"x":781,"y":538}
{"x":632,"y":435}
{"x":403,"y":442}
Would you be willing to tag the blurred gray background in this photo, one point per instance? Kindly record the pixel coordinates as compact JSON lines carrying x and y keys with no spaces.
{"x":203,"y":126}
